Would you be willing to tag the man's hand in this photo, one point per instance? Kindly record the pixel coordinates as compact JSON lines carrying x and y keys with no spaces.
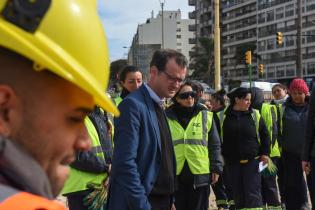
{"x":306,"y":166}
{"x":214,"y":178}
{"x":264,"y":159}
{"x":173,"y":207}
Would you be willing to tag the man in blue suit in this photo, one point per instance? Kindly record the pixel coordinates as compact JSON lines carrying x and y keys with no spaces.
{"x":144,"y":166}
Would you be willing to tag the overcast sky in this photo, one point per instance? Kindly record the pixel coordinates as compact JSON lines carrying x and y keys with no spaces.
{"x":121,"y":18}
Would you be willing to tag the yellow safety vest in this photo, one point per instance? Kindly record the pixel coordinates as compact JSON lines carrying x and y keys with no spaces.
{"x":118,"y":100}
{"x":78,"y":179}
{"x":191,"y":145}
{"x":267,"y":116}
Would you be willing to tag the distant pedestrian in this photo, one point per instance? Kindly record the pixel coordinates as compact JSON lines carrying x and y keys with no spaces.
{"x":144,"y":167}
{"x":197,"y":149}
{"x":245,"y":143}
{"x":280,"y":94}
{"x":130,"y":79}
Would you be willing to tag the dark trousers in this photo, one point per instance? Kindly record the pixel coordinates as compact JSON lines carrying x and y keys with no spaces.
{"x":295,"y":185}
{"x":269,"y":188}
{"x":245,"y":181}
{"x":311,"y":182}
{"x":280,"y":174}
{"x":188,"y":198}
{"x":75,"y":200}
{"x":220,"y":192}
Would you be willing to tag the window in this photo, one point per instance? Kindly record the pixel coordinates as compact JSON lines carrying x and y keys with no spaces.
{"x":178,"y":36}
{"x":270,"y":44}
{"x":289,"y":41}
{"x":280,"y":71}
{"x":270,"y":16}
{"x":311,"y":68}
{"x":261,"y":17}
{"x":270,"y":72}
{"x":289,"y":10}
{"x":290,"y":70}
{"x":279,"y":13}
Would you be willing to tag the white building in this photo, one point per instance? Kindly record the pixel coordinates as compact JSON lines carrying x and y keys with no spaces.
{"x":149,"y":35}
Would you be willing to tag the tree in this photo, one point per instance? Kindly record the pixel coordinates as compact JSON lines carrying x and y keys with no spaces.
{"x":202,"y":60}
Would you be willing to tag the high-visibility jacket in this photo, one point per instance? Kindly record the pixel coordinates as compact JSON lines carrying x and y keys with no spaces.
{"x":191,"y":144}
{"x":78,"y":179}
{"x":269,"y":114}
{"x":11,"y":199}
{"x":118,"y":100}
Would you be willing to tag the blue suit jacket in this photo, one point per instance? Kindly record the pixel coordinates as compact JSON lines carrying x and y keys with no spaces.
{"x":137,"y":155}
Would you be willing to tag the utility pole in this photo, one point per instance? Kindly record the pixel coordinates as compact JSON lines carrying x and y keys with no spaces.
{"x":162,"y":7}
{"x":299,"y":67}
{"x":217,"y":51}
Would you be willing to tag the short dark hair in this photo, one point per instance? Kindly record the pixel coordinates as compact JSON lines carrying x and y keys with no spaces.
{"x":127,"y":69}
{"x":279,"y":85}
{"x":197,"y":87}
{"x":240,"y":92}
{"x":161,"y":57}
{"x":219,"y":96}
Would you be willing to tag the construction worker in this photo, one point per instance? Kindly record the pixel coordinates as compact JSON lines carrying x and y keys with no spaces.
{"x":130,"y":78}
{"x":270,"y":193}
{"x":90,"y":167}
{"x":245,"y":143}
{"x":221,"y":189}
{"x":52,"y":74}
{"x":197,"y":149}
{"x":293,"y":120}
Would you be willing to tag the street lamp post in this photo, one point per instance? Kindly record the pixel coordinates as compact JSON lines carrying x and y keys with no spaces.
{"x":162,"y":2}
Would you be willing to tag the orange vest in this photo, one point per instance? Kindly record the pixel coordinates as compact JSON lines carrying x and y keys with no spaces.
{"x":27,"y":201}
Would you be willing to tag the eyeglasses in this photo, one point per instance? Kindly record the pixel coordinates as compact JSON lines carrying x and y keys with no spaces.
{"x":173,"y":79}
{"x":186,"y":95}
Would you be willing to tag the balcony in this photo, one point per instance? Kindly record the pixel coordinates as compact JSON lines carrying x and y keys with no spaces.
{"x":192,"y":2}
{"x":192,"y":27}
{"x":192,"y":41}
{"x":192,"y":15}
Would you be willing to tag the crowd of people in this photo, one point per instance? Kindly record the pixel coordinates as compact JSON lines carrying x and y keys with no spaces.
{"x":151,"y":155}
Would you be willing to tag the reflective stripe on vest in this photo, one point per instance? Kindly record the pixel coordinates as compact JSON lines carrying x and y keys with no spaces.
{"x":78,"y":179}
{"x":266,"y":114}
{"x":118,"y":100}
{"x":255,"y":116}
{"x":11,"y":199}
{"x":191,"y":145}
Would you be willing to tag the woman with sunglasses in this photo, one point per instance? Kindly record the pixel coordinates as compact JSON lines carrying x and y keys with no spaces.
{"x":197,"y":149}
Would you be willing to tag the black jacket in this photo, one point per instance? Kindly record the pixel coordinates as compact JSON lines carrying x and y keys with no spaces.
{"x":88,"y":161}
{"x":214,"y":145}
{"x":240,"y":139}
{"x":293,"y":127}
{"x":309,"y":146}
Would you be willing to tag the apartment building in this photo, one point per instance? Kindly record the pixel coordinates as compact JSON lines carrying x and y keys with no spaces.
{"x":176,"y":35}
{"x":253,"y":24}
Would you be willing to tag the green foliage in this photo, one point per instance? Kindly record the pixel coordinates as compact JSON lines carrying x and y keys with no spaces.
{"x":271,"y":169}
{"x":202,"y":60}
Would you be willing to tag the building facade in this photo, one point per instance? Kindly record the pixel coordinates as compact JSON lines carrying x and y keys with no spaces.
{"x":176,"y":35}
{"x":253,"y":24}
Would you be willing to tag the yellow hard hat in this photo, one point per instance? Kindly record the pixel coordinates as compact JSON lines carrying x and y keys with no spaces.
{"x":63,"y":36}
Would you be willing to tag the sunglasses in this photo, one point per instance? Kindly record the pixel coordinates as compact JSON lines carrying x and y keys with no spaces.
{"x":186,"y":95}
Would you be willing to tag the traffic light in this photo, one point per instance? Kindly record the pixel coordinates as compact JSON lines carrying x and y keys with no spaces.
{"x":261,"y":69}
{"x":279,"y":38}
{"x":248,"y":57}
